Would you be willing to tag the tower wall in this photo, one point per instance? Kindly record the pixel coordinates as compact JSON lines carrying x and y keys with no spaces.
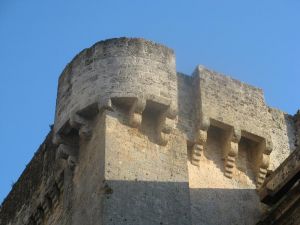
{"x":134,"y":142}
{"x":115,"y":68}
{"x":134,"y":160}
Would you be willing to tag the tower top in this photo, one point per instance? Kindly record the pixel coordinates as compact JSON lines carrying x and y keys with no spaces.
{"x":119,"y":67}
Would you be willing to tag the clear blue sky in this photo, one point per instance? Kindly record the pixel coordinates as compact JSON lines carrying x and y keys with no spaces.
{"x":256,"y":41}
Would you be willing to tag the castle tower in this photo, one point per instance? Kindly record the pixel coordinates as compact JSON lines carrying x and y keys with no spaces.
{"x":115,"y":119}
{"x":134,"y":142}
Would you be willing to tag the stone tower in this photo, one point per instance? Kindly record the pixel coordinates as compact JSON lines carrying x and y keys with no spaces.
{"x":134,"y":142}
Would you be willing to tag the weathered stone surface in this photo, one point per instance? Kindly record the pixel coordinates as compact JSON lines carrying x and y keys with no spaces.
{"x":282,"y":179}
{"x":134,"y":142}
{"x":115,"y":68}
{"x":281,"y":192}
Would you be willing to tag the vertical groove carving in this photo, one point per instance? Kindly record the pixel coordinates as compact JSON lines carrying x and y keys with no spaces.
{"x":166,"y":124}
{"x":200,"y":140}
{"x":231,"y":152}
{"x":263,"y":162}
{"x":198,"y":147}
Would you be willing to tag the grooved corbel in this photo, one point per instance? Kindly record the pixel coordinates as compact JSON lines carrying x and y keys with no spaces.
{"x":200,"y":141}
{"x":198,"y":147}
{"x":263,"y":169}
{"x":231,"y":151}
{"x":80,"y":120}
{"x":166,"y":124}
{"x":82,"y":125}
{"x":135,"y":113}
{"x":263,"y":162}
{"x":68,"y":153}
{"x":166,"y":120}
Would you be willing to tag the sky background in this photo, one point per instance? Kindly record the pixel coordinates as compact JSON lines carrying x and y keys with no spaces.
{"x":256,"y":41}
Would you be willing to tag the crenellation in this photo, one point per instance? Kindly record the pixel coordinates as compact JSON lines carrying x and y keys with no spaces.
{"x":135,"y":142}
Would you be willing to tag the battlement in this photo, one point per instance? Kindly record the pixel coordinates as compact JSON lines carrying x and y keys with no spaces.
{"x":135,"y":142}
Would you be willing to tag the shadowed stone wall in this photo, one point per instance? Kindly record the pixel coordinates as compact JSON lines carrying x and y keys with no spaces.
{"x":134,"y":142}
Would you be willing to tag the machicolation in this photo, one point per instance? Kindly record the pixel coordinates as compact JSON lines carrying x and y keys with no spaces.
{"x":135,"y":142}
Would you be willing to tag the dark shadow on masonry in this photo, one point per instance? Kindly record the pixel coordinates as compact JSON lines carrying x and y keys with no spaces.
{"x":151,"y":203}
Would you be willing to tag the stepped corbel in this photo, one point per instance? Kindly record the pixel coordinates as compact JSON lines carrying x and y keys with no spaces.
{"x":81,"y":124}
{"x":135,"y":112}
{"x":231,"y":151}
{"x":200,"y":141}
{"x":68,"y":153}
{"x":166,"y":124}
{"x":263,"y":162}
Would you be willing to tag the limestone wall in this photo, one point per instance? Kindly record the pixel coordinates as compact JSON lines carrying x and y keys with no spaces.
{"x":149,"y":182}
{"x":283,"y":137}
{"x":115,"y":68}
{"x":134,"y":143}
{"x":238,"y":140}
{"x":38,"y":194}
{"x":232,"y":102}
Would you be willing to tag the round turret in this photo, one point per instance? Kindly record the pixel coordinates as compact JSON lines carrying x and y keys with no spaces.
{"x":121,"y":67}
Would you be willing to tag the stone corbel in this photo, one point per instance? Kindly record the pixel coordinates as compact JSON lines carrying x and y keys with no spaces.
{"x":263,"y":162}
{"x":57,"y":140}
{"x":166,"y":124}
{"x":68,"y":153}
{"x":135,"y":112}
{"x":105,"y":104}
{"x":80,"y":120}
{"x":82,"y":125}
{"x":231,"y":151}
{"x":166,"y":111}
{"x":200,"y":141}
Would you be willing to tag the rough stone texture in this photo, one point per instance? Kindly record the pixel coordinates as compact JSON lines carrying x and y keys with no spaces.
{"x":35,"y":187}
{"x":149,"y":179}
{"x":297,"y":123}
{"x":134,"y":142}
{"x":115,"y":68}
{"x":283,"y":137}
{"x":281,"y":192}
{"x":234,"y":201}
